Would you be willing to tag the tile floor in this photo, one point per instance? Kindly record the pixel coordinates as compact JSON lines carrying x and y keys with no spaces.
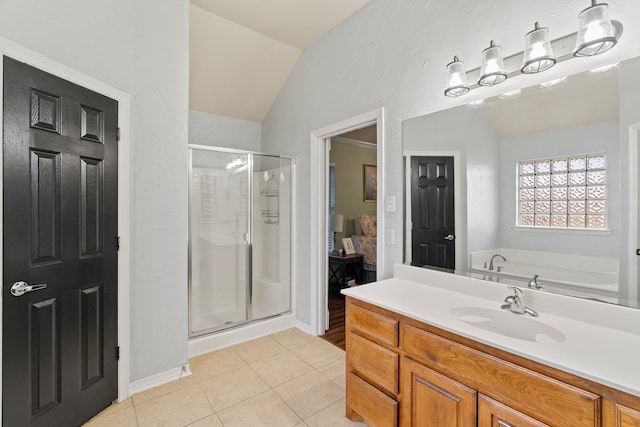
{"x":288,"y":379}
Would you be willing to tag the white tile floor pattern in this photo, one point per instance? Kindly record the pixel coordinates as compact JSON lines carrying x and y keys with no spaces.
{"x":288,"y":379}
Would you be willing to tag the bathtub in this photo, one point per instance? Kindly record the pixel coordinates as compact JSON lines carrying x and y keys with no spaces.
{"x":554,"y":270}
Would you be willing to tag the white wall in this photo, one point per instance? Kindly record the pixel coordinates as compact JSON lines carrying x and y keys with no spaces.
{"x":393,"y":53}
{"x":221,"y":131}
{"x":629,"y":107}
{"x":142,"y":49}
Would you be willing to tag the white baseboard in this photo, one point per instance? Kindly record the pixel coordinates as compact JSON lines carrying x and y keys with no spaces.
{"x":219,"y":340}
{"x":159,"y":379}
{"x":304,"y":327}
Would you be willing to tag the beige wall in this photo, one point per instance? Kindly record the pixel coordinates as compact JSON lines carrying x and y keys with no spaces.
{"x":350,"y":160}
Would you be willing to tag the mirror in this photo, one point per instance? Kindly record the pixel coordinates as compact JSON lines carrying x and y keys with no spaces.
{"x":587,"y":116}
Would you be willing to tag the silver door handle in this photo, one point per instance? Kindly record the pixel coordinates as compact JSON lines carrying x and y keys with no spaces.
{"x":450,"y":237}
{"x":20,"y":288}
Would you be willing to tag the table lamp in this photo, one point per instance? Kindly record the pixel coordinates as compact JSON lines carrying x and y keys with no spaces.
{"x":336,"y":222}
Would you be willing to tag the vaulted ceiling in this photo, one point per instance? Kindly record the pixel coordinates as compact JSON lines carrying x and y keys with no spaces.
{"x":242,"y":51}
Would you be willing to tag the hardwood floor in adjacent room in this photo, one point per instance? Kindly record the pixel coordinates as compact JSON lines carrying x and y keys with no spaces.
{"x":336,"y":333}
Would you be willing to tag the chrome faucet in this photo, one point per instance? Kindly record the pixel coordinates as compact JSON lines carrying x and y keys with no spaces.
{"x":492,"y":258}
{"x":514,"y":303}
{"x":533,"y":283}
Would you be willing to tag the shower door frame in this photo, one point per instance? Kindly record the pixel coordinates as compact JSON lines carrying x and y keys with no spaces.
{"x":249,"y":239}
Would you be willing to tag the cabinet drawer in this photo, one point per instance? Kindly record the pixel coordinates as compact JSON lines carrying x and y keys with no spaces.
{"x":492,"y":413}
{"x":380,"y":328}
{"x":374,"y":363}
{"x":529,"y":392}
{"x":377,"y":409}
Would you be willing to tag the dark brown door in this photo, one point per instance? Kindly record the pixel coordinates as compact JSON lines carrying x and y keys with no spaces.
{"x":59,"y":363}
{"x":432,"y":212}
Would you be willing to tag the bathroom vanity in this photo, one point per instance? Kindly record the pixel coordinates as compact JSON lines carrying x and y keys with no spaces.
{"x":428,"y":348}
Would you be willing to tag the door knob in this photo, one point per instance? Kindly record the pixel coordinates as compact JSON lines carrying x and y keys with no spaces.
{"x":450,"y":237}
{"x":20,"y":288}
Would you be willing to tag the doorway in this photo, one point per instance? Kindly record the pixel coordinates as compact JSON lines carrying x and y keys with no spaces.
{"x":352,"y":198}
{"x":319,"y":207}
{"x":60,"y":162}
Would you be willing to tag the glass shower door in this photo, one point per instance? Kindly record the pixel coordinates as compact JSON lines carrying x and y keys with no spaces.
{"x":271,"y":236}
{"x":219,"y":254}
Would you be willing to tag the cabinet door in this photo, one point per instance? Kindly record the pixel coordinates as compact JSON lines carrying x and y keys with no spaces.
{"x":617,"y":415}
{"x":495,"y":414}
{"x":434,"y":400}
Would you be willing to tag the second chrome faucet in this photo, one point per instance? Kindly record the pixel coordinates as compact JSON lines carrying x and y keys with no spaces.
{"x":515,"y":304}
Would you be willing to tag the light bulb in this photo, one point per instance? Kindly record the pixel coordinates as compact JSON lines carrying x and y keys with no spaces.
{"x":594,"y":31}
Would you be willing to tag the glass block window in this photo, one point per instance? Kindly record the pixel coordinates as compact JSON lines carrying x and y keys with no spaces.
{"x":563,"y":193}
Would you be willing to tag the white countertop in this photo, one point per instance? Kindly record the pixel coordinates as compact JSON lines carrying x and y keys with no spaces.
{"x":598,"y":341}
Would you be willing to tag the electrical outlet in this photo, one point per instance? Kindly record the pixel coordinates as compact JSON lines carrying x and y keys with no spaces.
{"x":390,"y":205}
{"x":390,"y":236}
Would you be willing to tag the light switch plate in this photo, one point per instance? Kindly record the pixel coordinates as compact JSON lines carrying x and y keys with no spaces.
{"x":390,"y":204}
{"x":390,"y":236}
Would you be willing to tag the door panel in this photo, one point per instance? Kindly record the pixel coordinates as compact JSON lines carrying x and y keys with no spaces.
{"x":45,"y":355}
{"x":91,"y":211}
{"x":60,"y":229}
{"x":432,"y":212}
{"x":434,"y":400}
{"x":45,"y":203}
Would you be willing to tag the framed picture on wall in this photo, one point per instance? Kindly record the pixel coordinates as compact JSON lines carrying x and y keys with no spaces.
{"x":347,"y":244}
{"x":370,"y":183}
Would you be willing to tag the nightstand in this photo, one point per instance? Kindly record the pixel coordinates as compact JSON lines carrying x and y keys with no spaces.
{"x":341,"y":267}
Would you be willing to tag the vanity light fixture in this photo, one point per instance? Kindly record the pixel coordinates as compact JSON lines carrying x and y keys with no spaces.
{"x":492,"y":70}
{"x":596,"y":34}
{"x":457,"y":84}
{"x":538,"y":54}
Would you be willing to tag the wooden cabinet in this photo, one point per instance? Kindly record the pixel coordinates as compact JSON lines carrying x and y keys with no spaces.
{"x":430,"y":399}
{"x":373,"y":367}
{"x":403,"y":372}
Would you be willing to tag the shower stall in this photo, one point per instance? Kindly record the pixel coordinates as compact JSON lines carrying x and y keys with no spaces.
{"x":240,"y":206}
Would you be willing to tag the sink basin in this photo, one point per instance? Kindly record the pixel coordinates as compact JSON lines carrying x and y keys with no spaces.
{"x":508,"y":324}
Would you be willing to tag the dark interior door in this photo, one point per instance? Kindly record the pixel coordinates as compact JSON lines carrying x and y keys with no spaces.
{"x":60,"y":225}
{"x":432,"y":212}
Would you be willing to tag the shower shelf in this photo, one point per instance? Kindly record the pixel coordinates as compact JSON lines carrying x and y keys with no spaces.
{"x":271,"y":216}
